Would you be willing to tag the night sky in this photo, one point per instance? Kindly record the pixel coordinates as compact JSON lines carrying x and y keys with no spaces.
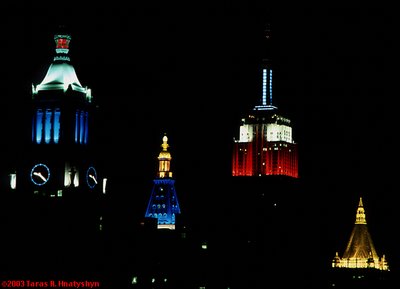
{"x":190,"y":70}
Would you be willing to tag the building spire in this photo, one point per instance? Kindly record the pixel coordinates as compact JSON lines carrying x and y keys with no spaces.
{"x":165,"y":143}
{"x":164,"y":160}
{"x":163,"y":203}
{"x":62,"y":40}
{"x":266,"y":90}
{"x":360,"y":216}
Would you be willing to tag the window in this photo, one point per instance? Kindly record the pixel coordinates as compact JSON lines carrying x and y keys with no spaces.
{"x":39,"y":125}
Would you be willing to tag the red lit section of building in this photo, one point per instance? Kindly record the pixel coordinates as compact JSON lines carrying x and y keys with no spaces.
{"x":265,"y":145}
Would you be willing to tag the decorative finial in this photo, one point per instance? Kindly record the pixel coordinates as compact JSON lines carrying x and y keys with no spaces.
{"x":165,"y":143}
{"x":360,"y":216}
{"x":267,"y":31}
{"x":62,"y":40}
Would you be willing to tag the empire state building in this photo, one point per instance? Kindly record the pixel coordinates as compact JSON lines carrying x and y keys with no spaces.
{"x":265,"y":145}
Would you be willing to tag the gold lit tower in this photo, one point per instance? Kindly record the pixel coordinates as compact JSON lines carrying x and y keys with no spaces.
{"x":360,"y":251}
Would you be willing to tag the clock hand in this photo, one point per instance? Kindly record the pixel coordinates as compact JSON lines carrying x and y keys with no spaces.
{"x":94,"y":179}
{"x":39,"y":174}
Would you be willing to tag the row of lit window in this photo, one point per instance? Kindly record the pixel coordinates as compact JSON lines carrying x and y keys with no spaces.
{"x":160,"y":215}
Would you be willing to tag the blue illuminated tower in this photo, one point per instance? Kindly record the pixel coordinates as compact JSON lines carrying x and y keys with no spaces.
{"x":163,"y":203}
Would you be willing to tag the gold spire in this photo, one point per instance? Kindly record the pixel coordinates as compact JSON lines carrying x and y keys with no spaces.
{"x":360,"y":216}
{"x":165,"y":143}
{"x":164,"y":159}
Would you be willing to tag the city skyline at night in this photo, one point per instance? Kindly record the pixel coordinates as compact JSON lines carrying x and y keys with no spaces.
{"x":155,"y":72}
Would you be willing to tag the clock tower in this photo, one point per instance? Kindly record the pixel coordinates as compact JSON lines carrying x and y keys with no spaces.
{"x":56,"y":190}
{"x":62,"y":157}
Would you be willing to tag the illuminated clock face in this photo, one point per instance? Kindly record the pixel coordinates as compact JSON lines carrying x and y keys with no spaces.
{"x":40,"y":174}
{"x":91,"y":177}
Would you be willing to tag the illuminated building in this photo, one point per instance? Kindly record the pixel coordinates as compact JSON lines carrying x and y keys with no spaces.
{"x":166,"y":254}
{"x":360,"y":251}
{"x":57,"y":187}
{"x":360,"y":266}
{"x":163,"y":203}
{"x":61,"y":156}
{"x":265,"y":146}
{"x":266,"y":190}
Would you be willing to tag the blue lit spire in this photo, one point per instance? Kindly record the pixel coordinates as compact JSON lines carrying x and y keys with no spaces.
{"x":163,"y":203}
{"x":266,"y":91}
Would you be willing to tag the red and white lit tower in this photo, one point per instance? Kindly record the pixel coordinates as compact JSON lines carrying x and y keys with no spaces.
{"x":265,"y":145}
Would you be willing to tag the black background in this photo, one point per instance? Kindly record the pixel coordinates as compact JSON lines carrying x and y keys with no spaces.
{"x":191,"y":70}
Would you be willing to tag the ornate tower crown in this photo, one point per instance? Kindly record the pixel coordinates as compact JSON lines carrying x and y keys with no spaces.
{"x":62,"y":46}
{"x":360,"y":216}
{"x":164,"y":159}
{"x":61,"y":74}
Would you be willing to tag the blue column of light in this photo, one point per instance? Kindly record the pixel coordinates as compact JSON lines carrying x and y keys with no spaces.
{"x":76,"y":126}
{"x":86,"y":127}
{"x":264,"y":87}
{"x":47,"y":126}
{"x":39,"y":125}
{"x":270,"y":86}
{"x":56,"y":128}
{"x":38,"y":122}
{"x":81,"y":126}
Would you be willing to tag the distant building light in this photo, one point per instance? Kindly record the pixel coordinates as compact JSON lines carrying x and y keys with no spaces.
{"x":13,"y":181}
{"x":104,"y":185}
